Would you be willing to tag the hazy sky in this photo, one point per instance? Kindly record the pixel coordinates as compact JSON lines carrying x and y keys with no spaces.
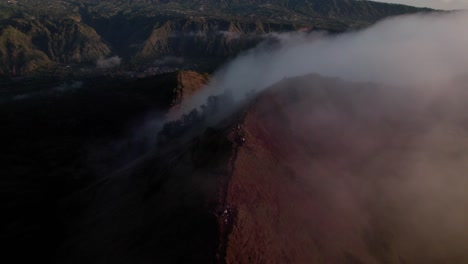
{"x":438,"y":4}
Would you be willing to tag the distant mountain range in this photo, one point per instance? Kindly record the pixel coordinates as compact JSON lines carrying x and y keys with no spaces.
{"x":43,"y":35}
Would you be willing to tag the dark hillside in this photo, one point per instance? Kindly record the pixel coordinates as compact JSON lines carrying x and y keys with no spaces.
{"x":59,"y":142}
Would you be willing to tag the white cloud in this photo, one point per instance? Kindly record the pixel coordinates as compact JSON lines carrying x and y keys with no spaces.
{"x":111,"y":62}
{"x":417,"y":50}
{"x":403,"y":50}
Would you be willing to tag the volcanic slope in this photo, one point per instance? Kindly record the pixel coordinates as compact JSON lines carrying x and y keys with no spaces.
{"x":314,"y":170}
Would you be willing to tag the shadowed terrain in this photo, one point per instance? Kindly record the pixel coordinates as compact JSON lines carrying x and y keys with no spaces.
{"x":62,"y":139}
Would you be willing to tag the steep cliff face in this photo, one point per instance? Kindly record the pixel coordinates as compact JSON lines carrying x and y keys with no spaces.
{"x":75,"y":42}
{"x":27,"y":45}
{"x":204,"y":38}
{"x":18,"y":53}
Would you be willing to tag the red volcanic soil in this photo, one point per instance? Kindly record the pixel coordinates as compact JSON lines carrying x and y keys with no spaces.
{"x":335,"y":172}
